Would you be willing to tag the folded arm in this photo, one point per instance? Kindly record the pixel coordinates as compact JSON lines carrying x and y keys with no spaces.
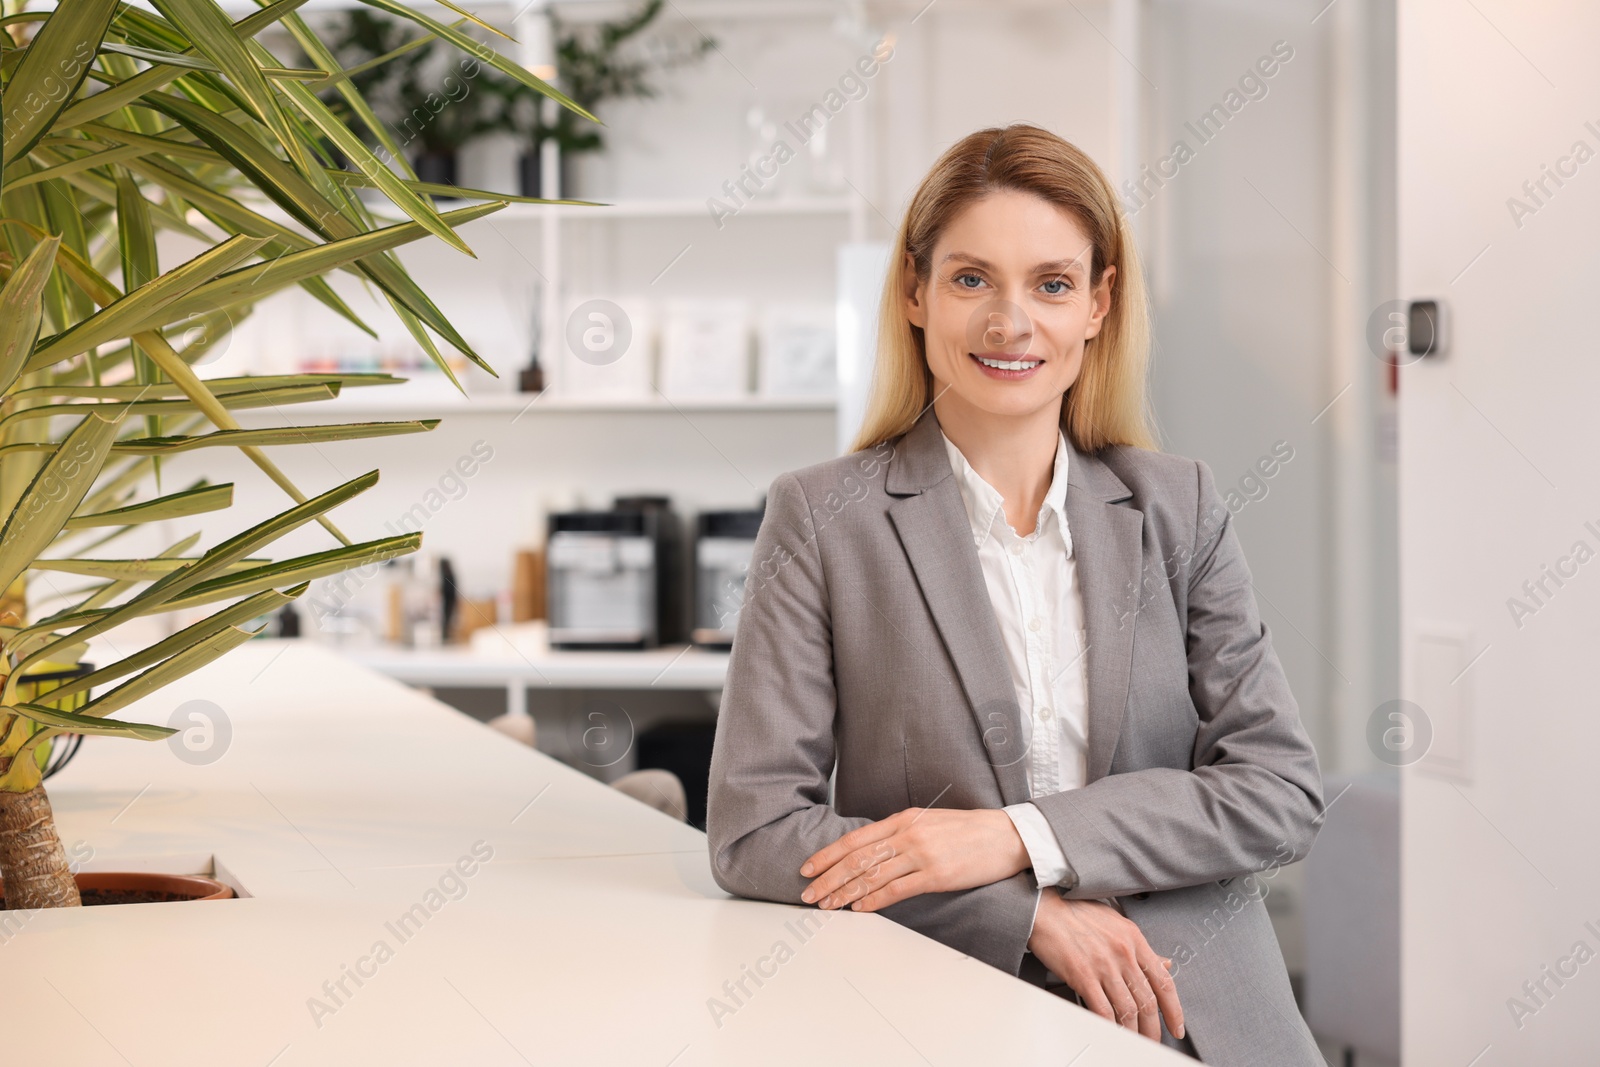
{"x":768,"y":805}
{"x":1254,"y":797}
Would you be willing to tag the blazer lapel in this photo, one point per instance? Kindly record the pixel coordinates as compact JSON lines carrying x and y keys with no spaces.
{"x":1107,"y":543}
{"x":937,"y":536}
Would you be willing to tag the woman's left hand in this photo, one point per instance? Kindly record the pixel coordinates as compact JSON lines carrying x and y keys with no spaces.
{"x":919,"y":850}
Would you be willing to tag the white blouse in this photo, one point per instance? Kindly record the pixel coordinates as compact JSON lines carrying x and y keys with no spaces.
{"x":1033,"y":585}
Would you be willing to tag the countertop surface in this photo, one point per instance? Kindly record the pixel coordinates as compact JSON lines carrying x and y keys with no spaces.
{"x":422,"y":890}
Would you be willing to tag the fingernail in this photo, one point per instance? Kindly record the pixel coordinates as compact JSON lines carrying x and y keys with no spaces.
{"x":806,"y":896}
{"x":806,"y":869}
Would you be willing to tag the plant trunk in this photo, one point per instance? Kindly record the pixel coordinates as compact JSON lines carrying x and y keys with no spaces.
{"x":32,"y":861}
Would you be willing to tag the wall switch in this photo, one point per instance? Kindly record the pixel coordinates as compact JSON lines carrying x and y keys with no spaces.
{"x":1442,"y":687}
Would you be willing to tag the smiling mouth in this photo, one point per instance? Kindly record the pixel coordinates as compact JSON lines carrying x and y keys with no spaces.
{"x":1000,"y":361}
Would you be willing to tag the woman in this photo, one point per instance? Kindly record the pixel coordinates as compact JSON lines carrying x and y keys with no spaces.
{"x":1023,"y":641}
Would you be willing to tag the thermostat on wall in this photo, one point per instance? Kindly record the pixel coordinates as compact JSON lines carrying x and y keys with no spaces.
{"x":1426,"y":328}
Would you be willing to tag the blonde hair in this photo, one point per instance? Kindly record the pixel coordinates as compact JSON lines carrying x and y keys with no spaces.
{"x":1107,"y":404}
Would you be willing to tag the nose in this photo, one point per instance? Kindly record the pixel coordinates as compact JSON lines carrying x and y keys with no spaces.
{"x":998,"y":325}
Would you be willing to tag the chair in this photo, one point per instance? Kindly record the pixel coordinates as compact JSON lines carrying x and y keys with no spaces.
{"x":660,"y":789}
{"x":1352,"y":918}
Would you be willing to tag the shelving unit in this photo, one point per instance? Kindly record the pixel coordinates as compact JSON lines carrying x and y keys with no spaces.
{"x":544,"y":226}
{"x":778,"y":248}
{"x":553,"y":219}
{"x":428,"y":392}
{"x":556,"y":246}
{"x":532,"y":27}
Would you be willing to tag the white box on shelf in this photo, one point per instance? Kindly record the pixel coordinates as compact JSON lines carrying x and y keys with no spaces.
{"x":705,"y":349}
{"x":796,"y":345}
{"x":607,"y":349}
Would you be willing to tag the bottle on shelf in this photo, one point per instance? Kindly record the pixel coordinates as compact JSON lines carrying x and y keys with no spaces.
{"x":531,"y":378}
{"x":528,"y":590}
{"x":288,"y":622}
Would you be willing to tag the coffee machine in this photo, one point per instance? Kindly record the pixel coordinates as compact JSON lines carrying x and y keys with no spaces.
{"x":614,"y":580}
{"x":724,"y":544}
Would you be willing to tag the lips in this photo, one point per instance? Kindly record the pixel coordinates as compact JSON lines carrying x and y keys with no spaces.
{"x":1006,"y":366}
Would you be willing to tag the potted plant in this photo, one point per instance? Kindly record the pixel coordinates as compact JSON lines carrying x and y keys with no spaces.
{"x":593,"y":65}
{"x":120,"y":123}
{"x":432,"y":97}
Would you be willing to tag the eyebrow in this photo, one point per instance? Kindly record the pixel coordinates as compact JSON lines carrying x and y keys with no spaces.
{"x":1054,"y":266}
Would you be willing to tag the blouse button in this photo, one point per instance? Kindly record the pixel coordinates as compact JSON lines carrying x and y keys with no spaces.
{"x":1016,"y":548}
{"x":1044,"y":714}
{"x":1033,"y":624}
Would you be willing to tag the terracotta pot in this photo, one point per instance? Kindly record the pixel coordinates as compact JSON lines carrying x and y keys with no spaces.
{"x":183,"y":886}
{"x":142,"y":887}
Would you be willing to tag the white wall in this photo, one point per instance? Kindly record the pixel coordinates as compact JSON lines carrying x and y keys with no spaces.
{"x":1498,"y":481}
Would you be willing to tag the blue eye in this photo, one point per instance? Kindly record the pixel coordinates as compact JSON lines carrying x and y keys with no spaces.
{"x":967,"y":274}
{"x":1058,"y":281}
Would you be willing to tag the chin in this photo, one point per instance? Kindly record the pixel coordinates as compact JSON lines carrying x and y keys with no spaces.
{"x":999,"y":399}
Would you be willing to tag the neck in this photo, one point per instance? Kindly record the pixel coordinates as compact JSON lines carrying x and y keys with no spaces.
{"x":1014,"y":453}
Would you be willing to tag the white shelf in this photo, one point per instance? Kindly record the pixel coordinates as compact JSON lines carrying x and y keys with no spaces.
{"x":575,"y":10}
{"x":664,"y":209}
{"x":430,"y":403}
{"x":799,"y":207}
{"x":518,"y":656}
{"x":384,"y":214}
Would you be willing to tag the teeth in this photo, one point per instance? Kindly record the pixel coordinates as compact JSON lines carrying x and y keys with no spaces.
{"x":1009,"y":364}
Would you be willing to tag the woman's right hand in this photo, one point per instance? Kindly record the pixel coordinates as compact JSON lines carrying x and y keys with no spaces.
{"x":1104,"y":957}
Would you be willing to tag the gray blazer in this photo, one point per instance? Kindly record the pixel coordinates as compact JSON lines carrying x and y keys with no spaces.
{"x":866,"y":645}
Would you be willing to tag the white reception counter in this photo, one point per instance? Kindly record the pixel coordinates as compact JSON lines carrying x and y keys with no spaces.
{"x":417,"y":889}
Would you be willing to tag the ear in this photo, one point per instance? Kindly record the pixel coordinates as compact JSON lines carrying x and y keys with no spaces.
{"x":916,"y":309}
{"x":1102,"y":302}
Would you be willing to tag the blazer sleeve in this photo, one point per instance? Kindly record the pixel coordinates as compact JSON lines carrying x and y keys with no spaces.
{"x":767,"y":808}
{"x":1254,"y":797}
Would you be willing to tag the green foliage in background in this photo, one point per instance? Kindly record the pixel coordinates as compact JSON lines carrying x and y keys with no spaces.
{"x":431,"y":97}
{"x":404,"y":76}
{"x":594,"y":64}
